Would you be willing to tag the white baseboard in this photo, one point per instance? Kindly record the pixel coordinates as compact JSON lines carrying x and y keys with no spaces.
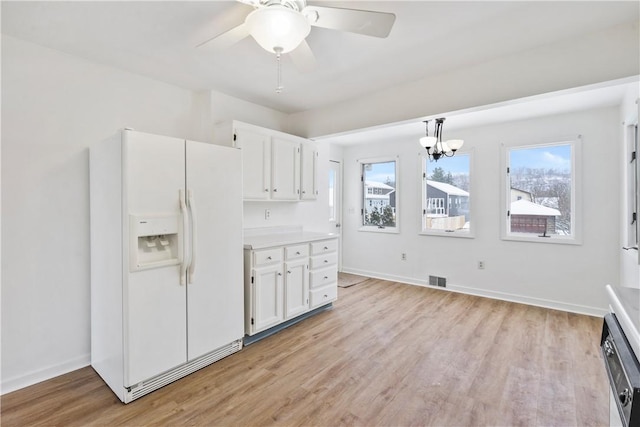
{"x":12,"y":384}
{"x":504,"y":296}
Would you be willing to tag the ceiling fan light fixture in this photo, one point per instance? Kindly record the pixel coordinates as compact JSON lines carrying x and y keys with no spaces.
{"x":277,"y":29}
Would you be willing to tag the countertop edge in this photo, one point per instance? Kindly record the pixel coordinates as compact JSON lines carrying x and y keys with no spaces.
{"x":283,"y":239}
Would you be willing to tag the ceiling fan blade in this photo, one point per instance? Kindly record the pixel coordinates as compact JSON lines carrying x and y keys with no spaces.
{"x":303,"y":58}
{"x":229,"y":26}
{"x":226,"y":39}
{"x":370,"y":23}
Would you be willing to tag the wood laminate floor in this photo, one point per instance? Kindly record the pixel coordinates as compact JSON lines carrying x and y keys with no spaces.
{"x":387,"y":354}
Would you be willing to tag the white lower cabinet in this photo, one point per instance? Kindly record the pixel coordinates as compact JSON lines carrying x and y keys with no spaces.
{"x":323,"y":275}
{"x":279,"y":284}
{"x":267,"y":290}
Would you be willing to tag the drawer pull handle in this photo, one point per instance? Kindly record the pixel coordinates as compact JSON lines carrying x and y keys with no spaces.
{"x":269,"y":258}
{"x":326,"y":296}
{"x":288,"y":271}
{"x":326,"y":261}
{"x":325,"y":248}
{"x":326,"y":277}
{"x":298,"y":253}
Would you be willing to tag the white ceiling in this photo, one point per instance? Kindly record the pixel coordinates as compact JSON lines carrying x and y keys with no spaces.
{"x":158,"y":39}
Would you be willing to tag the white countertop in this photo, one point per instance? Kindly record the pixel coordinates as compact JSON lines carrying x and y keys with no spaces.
{"x":259,"y":239}
{"x":625,"y":304}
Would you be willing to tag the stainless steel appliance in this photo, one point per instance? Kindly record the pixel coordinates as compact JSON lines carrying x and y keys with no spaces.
{"x":620,"y":349}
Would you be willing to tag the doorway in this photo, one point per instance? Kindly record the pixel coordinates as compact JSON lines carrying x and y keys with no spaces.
{"x":335,"y":204}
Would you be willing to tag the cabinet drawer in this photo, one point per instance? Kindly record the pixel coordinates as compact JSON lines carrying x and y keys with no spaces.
{"x":321,"y":261}
{"x":324,"y":246}
{"x":298,"y":251}
{"x":267,"y":256}
{"x":323,"y":295}
{"x":323,"y":277}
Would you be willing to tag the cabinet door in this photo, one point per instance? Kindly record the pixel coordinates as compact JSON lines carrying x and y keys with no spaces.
{"x":285,"y":169}
{"x":267,"y":297}
{"x":308,"y":173}
{"x":256,"y":164}
{"x":296,"y":285}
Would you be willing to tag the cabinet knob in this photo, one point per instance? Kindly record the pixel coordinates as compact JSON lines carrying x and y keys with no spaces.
{"x":279,"y":274}
{"x":325,"y":248}
{"x":275,"y":190}
{"x":304,"y":192}
{"x":269,"y":258}
{"x":326,"y":277}
{"x":326,"y":261}
{"x":288,"y":271}
{"x":298,"y":253}
{"x":266,"y":190}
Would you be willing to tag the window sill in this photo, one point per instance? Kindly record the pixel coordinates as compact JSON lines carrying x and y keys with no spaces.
{"x":388,"y":230}
{"x":455,"y":234}
{"x":558,"y":240}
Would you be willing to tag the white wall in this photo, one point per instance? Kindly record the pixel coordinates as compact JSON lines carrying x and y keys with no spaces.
{"x":568,"y":277}
{"x":54,"y":106}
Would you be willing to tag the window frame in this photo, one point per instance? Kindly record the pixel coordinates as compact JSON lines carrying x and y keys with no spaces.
{"x":422,"y":167}
{"x":576,"y":193}
{"x":371,"y":228}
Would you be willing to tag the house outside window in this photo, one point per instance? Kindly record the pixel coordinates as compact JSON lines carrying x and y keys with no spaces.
{"x":379,"y":188}
{"x":446,"y":196}
{"x":541,"y":204}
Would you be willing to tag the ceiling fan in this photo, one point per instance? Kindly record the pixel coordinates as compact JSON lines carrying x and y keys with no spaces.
{"x":281,"y":26}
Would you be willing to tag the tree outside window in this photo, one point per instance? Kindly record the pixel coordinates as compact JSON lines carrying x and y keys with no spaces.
{"x":446,"y":195}
{"x":541,"y":191}
{"x":379,"y":195}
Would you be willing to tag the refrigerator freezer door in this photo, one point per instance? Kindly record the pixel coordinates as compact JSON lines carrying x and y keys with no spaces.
{"x":154,"y":301}
{"x":215,"y":296}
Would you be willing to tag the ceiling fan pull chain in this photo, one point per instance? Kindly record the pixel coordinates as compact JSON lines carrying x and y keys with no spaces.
{"x":279,"y":86}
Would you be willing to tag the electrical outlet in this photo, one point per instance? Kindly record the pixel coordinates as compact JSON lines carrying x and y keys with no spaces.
{"x":267,"y":214}
{"x":403,"y":257}
{"x":480,"y":265}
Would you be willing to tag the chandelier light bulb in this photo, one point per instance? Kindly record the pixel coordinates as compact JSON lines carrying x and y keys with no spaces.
{"x":455,"y":144}
{"x":428,"y":141}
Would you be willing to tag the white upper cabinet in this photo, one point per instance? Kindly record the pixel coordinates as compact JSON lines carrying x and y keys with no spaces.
{"x":276,"y":166}
{"x":256,"y":164}
{"x":285,"y":169}
{"x":309,"y":171}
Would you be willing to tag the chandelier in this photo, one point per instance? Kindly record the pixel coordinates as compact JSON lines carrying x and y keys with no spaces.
{"x":436,"y":148}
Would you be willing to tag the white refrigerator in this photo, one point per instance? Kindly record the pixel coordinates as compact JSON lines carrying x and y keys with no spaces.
{"x":166,"y":259}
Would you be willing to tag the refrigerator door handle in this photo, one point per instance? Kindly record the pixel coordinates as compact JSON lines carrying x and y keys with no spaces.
{"x":194,"y":233}
{"x":185,"y":228}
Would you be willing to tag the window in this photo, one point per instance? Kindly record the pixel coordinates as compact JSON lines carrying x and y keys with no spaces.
{"x":446,"y":196}
{"x":540,"y":194}
{"x":379,"y":189}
